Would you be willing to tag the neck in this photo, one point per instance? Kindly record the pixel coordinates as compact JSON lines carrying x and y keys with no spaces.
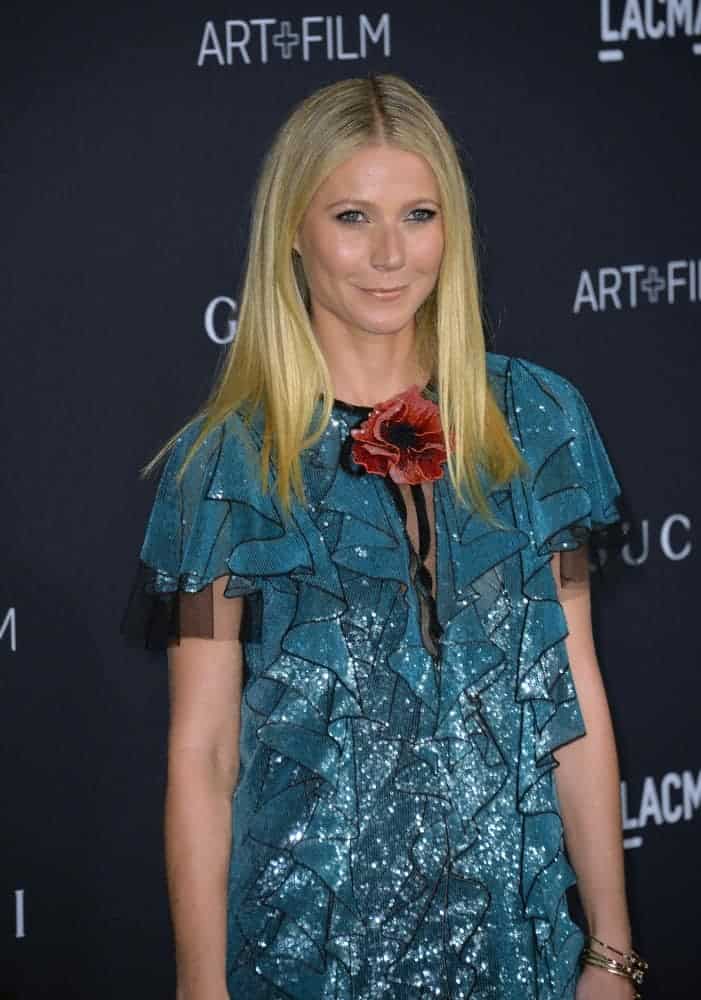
{"x":368,"y":367}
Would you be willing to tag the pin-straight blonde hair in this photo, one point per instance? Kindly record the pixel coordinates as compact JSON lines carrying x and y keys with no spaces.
{"x":275,"y":361}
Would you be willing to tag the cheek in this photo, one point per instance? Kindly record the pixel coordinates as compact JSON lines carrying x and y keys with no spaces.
{"x":430,"y":252}
{"x":334,"y":251}
{"x":343,"y":253}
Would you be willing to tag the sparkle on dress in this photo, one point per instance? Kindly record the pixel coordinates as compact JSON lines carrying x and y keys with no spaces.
{"x":396,"y":833}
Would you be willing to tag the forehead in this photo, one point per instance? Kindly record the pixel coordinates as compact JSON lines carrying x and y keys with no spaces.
{"x":379,"y":171}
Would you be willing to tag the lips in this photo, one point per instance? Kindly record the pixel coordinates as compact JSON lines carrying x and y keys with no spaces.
{"x":385,"y":293}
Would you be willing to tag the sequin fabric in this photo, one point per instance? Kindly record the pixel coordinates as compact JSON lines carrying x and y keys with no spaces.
{"x":396,"y":833}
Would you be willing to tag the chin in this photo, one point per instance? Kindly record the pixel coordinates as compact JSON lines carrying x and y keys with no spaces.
{"x":387,"y":325}
{"x":386,"y":315}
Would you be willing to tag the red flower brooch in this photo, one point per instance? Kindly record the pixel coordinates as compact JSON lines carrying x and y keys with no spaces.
{"x":402,"y":438}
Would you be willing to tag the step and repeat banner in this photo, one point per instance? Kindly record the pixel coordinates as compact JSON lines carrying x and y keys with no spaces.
{"x":134,"y":133}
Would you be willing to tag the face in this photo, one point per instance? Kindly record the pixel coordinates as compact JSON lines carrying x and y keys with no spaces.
{"x":371,"y":241}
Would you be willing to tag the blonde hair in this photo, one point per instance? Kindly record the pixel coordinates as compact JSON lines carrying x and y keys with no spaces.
{"x":275,"y":361}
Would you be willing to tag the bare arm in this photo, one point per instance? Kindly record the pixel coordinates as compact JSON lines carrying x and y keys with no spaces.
{"x":203,"y":761}
{"x":588,"y":783}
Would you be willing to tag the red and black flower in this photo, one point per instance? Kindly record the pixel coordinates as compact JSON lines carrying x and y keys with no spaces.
{"x":402,"y":438}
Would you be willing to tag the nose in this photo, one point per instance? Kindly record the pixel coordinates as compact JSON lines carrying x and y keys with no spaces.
{"x":387,"y":249}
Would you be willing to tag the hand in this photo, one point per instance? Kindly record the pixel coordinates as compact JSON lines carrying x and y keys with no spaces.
{"x":598,"y":984}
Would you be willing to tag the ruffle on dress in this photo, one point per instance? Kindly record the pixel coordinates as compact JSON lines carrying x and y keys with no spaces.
{"x":216,"y":522}
{"x":573,"y":496}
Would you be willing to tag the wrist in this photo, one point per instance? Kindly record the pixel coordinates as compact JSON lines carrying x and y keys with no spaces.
{"x":607,"y":918}
{"x":618,"y":935}
{"x":623,"y":963}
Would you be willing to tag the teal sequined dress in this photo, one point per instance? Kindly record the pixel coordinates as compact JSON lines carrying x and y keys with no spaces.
{"x":396,"y":832}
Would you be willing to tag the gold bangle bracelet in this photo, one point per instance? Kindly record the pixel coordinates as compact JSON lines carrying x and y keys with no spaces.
{"x":636,"y":994}
{"x":609,"y":947}
{"x":631,"y":957}
{"x":634,"y":965}
{"x":590,"y":958}
{"x":631,"y":968}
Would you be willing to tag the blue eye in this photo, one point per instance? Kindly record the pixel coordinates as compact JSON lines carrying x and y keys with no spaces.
{"x":343,"y":216}
{"x":427,"y":214}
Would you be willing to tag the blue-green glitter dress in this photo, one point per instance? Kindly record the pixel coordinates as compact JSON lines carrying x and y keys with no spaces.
{"x":396,"y":832}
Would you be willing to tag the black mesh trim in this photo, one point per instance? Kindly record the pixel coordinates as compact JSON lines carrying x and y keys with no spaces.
{"x":154,"y":619}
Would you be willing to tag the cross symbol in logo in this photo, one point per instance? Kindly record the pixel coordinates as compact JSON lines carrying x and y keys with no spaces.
{"x":653,"y":284}
{"x":286,"y":39}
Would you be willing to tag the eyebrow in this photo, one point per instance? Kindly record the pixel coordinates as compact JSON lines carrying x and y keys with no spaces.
{"x":370,"y":204}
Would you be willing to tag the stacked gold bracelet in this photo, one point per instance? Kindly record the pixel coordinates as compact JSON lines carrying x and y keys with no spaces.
{"x":628,"y":964}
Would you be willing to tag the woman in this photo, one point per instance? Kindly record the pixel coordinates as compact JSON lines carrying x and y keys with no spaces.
{"x":368,"y":556}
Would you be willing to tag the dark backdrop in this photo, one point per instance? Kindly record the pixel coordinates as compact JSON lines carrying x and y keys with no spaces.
{"x":133,"y":139}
